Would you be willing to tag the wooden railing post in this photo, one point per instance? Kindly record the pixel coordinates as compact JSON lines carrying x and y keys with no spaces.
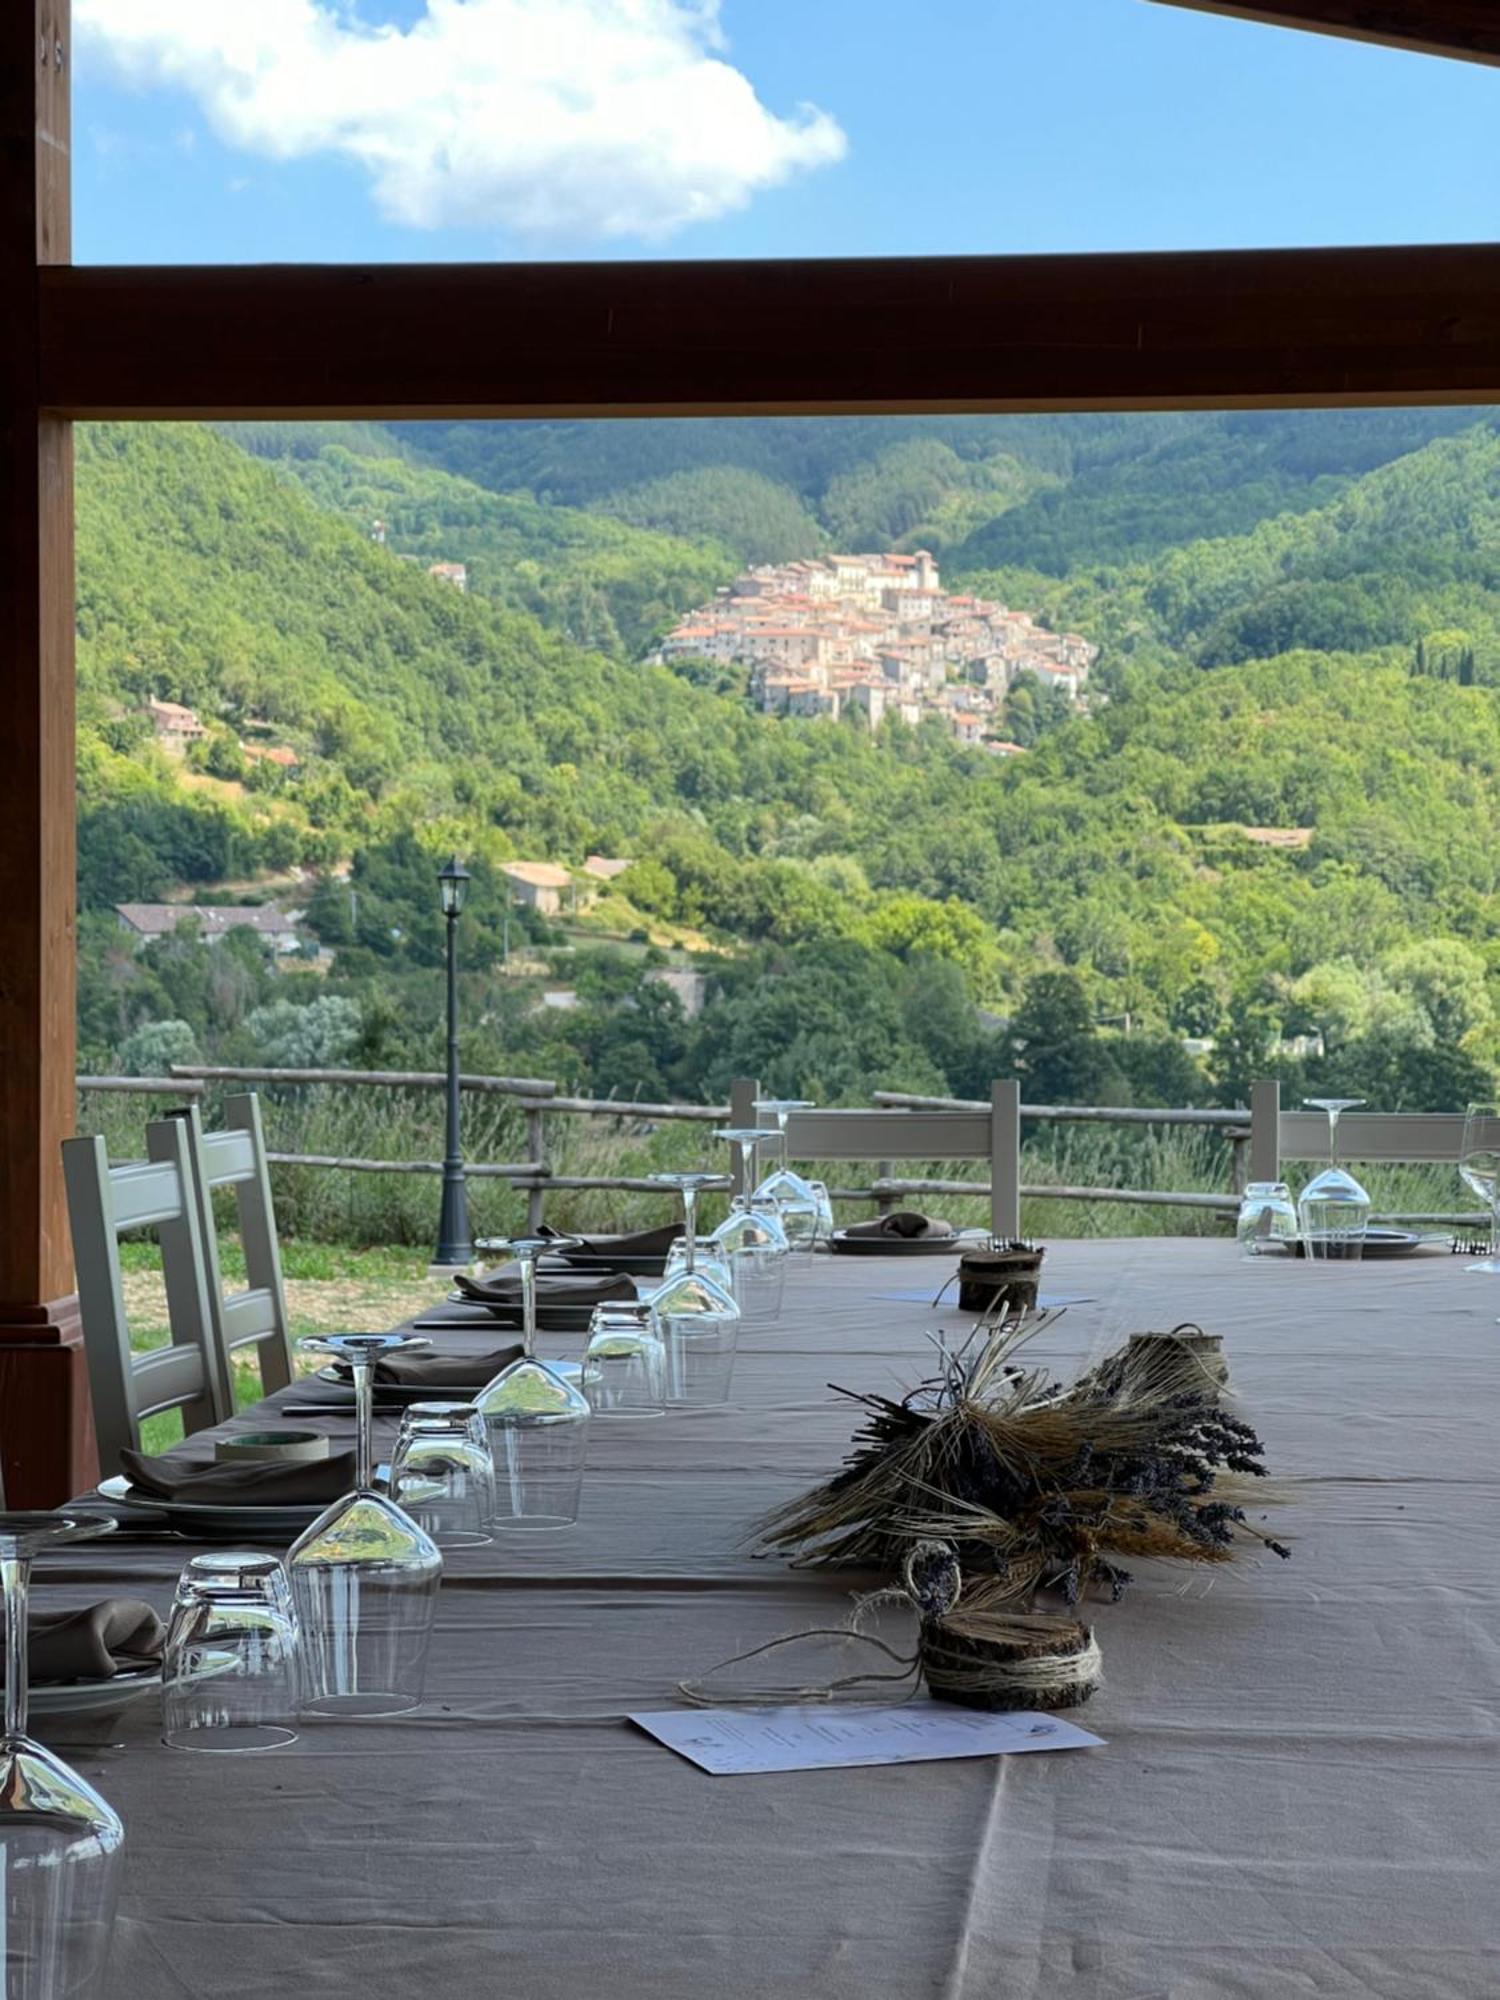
{"x":885,"y":1201}
{"x":1265,"y":1130}
{"x":742,"y":1095}
{"x":536,"y":1194}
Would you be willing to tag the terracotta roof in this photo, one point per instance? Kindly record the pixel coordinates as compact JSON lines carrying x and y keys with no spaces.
{"x":537,"y":874}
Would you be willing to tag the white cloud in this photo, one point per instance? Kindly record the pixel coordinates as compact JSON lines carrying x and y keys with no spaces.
{"x":552,"y":118}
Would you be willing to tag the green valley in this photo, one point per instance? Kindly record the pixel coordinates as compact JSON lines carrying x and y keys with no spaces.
{"x":1273,"y":824}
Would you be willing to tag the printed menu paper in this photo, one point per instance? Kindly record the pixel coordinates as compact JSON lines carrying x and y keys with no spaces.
{"x":734,"y":1742}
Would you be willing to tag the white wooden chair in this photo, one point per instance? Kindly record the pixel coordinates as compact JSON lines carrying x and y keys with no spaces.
{"x":255,"y":1317}
{"x":104,"y":1203}
{"x":1276,"y":1136}
{"x":993,"y":1135}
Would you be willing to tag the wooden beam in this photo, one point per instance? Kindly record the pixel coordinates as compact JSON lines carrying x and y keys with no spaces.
{"x":1165,"y":330}
{"x":43,"y":1396}
{"x":1469,"y":29}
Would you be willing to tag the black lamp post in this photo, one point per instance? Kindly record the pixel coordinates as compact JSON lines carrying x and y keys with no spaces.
{"x":454,"y":1246}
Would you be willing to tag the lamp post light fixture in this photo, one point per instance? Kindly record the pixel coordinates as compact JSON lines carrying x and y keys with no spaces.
{"x":454,"y":1248}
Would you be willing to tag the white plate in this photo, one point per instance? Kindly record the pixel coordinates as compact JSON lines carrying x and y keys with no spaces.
{"x":288,"y":1520}
{"x":89,"y":1697}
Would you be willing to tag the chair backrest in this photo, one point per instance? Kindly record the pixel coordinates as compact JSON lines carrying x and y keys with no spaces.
{"x":993,"y":1135}
{"x":236,"y":1158}
{"x":1276,"y":1136}
{"x":104,"y":1203}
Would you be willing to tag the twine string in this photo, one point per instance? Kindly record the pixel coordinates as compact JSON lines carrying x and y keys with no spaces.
{"x":783,"y":1694}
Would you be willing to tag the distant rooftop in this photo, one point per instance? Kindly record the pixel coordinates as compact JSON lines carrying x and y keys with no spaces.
{"x":213,"y":919}
{"x":537,"y":874}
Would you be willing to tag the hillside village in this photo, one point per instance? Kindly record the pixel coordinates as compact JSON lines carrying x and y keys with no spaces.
{"x":877,"y":636}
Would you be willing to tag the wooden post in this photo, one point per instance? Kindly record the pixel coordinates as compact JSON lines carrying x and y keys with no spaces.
{"x":536,"y":1194}
{"x":47,"y":1436}
{"x":1005,"y":1159}
{"x":885,"y":1201}
{"x":1265,"y":1130}
{"x":743,"y":1092}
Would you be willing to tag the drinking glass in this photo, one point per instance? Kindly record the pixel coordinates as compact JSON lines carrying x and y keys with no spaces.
{"x":230,"y":1665}
{"x":365,"y":1575}
{"x":624,"y":1363}
{"x":443,"y":1475}
{"x":59,"y":1842}
{"x":1267,"y":1222}
{"x":1334,"y":1210}
{"x":1479,"y":1168}
{"x":526,"y":1250}
{"x":797,"y":1205}
{"x":754,"y":1243}
{"x":538,"y":1426}
{"x":695,"y":1316}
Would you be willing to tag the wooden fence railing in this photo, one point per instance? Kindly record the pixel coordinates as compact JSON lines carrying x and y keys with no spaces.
{"x":538,"y":1098}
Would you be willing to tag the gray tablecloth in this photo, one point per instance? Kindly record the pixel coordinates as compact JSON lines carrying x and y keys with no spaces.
{"x":1300,"y":1794}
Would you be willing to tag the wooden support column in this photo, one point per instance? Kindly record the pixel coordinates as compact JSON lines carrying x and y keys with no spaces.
{"x":45,"y":1433}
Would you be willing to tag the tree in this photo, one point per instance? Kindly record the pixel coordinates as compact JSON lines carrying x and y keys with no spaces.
{"x":151,"y":1049}
{"x":1054,"y":1047}
{"x":320,"y":1035}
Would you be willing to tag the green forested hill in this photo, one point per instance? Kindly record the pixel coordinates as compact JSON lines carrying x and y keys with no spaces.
{"x":603,"y":583}
{"x":1045,"y":493}
{"x":1325,"y":670}
{"x":1408,"y":552}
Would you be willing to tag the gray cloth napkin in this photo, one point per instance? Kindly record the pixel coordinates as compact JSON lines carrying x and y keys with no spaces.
{"x":635,"y":1243}
{"x":906,"y":1223}
{"x":260,"y":1484}
{"x":116,"y":1636}
{"x":437,"y":1371}
{"x":501,"y":1290}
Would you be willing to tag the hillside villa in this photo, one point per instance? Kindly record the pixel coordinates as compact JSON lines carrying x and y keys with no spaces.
{"x":145,"y":921}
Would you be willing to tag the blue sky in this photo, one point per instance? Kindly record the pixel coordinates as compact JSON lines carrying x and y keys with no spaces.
{"x":967,"y":125}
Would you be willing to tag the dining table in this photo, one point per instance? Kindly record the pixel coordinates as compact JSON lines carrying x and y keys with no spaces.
{"x":1297,"y":1792}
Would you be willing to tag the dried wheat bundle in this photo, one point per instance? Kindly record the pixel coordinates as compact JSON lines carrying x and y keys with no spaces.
{"x":1037,"y":1484}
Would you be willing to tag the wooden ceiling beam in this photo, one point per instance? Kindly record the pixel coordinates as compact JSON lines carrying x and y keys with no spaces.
{"x":1468,"y":29}
{"x":1240,"y":328}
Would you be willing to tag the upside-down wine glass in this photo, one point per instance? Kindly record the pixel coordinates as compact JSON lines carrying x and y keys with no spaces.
{"x":365,"y":1575}
{"x":751,"y":1237}
{"x":797,"y":1204}
{"x":1479,"y":1169}
{"x":59,"y":1842}
{"x":695,"y":1314}
{"x":526,"y":1250}
{"x":1333,"y":1210}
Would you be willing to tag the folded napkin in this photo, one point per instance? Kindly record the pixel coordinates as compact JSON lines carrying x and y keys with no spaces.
{"x":262,"y":1483}
{"x":116,"y":1637}
{"x":634,"y":1244}
{"x":502,"y":1288}
{"x":906,"y":1223}
{"x":418,"y":1369}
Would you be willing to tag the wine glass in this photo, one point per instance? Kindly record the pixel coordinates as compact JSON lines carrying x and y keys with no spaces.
{"x":1334,"y":1210}
{"x":796,"y":1198}
{"x":526,"y":1250}
{"x":1479,"y":1168}
{"x":365,"y":1575}
{"x":754,"y":1243}
{"x":696,"y":1317}
{"x":60,"y":1843}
